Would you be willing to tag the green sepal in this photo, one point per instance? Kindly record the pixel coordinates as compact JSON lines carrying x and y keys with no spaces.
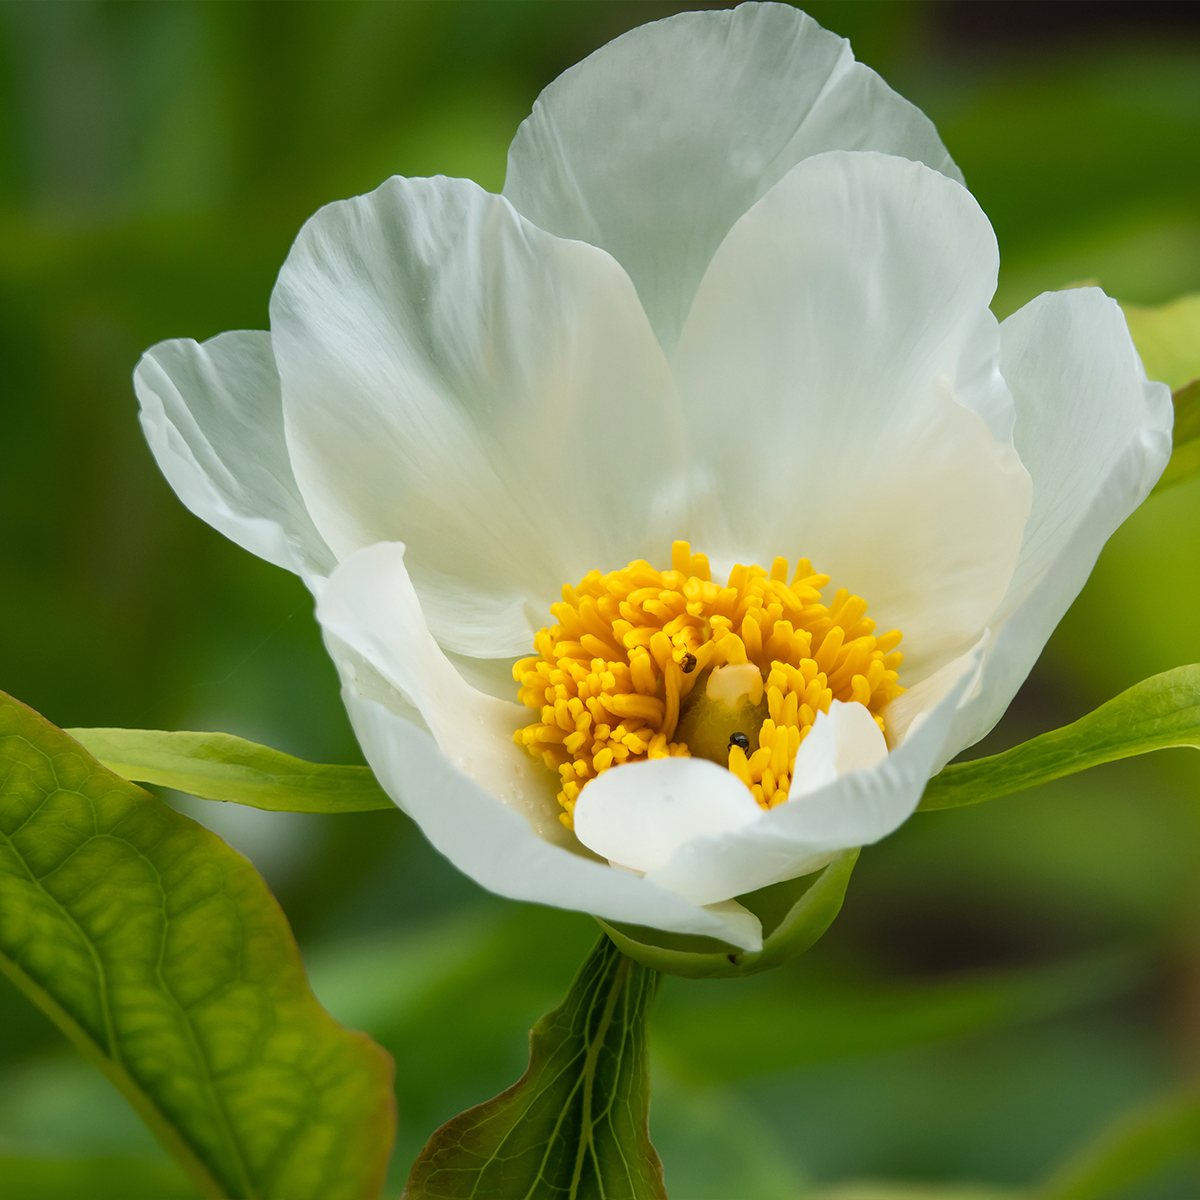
{"x":794,"y":914}
{"x":575,"y":1124}
{"x":219,"y":766}
{"x":1157,"y":713}
{"x":162,"y":955}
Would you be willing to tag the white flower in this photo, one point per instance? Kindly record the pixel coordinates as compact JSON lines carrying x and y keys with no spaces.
{"x":734,"y":292}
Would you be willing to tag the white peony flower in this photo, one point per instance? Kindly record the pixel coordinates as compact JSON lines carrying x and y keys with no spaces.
{"x":735,"y":292}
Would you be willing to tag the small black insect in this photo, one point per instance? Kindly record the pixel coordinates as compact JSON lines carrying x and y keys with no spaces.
{"x":740,"y":740}
{"x":689,"y":663}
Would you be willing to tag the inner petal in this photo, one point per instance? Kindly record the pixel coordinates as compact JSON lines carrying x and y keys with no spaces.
{"x":646,"y":664}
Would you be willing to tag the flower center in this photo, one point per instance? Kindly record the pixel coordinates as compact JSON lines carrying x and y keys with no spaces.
{"x":646,"y":663}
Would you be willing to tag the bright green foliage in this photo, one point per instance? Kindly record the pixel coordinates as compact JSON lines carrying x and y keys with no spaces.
{"x":163,"y":956}
{"x":575,"y":1125}
{"x":1159,"y":712}
{"x":1135,"y":1147}
{"x":1168,"y":339}
{"x":1185,"y":455}
{"x":219,"y":766}
{"x":794,"y":914}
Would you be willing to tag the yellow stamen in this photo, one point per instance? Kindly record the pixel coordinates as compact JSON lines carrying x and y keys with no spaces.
{"x":615,"y":680}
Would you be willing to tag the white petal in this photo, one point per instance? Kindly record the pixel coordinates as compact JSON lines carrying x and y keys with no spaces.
{"x":489,"y":394}
{"x":491,"y":843}
{"x":639,"y":814}
{"x":840,"y":372}
{"x":1095,"y":435}
{"x":214,"y":420}
{"x":802,"y":835}
{"x":369,"y":604}
{"x":652,"y":147}
{"x":511,"y":842}
{"x":842,"y":740}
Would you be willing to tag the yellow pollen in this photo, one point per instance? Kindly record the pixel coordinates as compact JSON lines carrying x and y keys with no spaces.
{"x":617,"y":678}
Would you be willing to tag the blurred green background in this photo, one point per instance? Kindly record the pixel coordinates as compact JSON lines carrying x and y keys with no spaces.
{"x":1003,"y":981}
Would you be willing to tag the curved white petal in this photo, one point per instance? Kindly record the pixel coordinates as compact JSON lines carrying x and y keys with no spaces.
{"x":840,"y":373}
{"x":371,"y":615}
{"x":842,"y":740}
{"x":369,"y":604}
{"x":1096,"y":435}
{"x":495,"y":846}
{"x":657,"y":143}
{"x":491,"y":395}
{"x":638,"y":815}
{"x":800,"y":836}
{"x":214,"y":420}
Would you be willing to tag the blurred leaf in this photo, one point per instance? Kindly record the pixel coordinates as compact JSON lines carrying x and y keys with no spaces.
{"x":779,"y":1029}
{"x":1168,"y":339}
{"x":878,"y":1189}
{"x":219,"y":766}
{"x":1185,"y":455}
{"x":715,"y":1145}
{"x":794,"y":915}
{"x":161,"y":954}
{"x":1157,"y":713}
{"x":1133,"y":1148}
{"x":86,"y":1179}
{"x":576,"y":1123}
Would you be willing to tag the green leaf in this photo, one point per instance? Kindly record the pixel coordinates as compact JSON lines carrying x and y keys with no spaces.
{"x":1185,"y":454}
{"x":720,"y":1039}
{"x":1132,"y":1149}
{"x":1168,"y":339}
{"x":1159,"y":712}
{"x":87,"y":1179}
{"x":163,"y":956}
{"x":794,"y":914}
{"x":219,"y":766}
{"x":575,"y":1124}
{"x":879,"y":1189}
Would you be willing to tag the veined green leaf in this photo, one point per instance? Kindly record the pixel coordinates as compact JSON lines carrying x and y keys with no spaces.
{"x":575,"y":1124}
{"x":163,"y":956}
{"x":1135,"y":1147}
{"x":219,"y":766}
{"x":794,"y":914}
{"x":1159,"y":712}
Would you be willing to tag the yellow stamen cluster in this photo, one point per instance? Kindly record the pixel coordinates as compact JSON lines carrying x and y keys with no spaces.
{"x":630,"y":646}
